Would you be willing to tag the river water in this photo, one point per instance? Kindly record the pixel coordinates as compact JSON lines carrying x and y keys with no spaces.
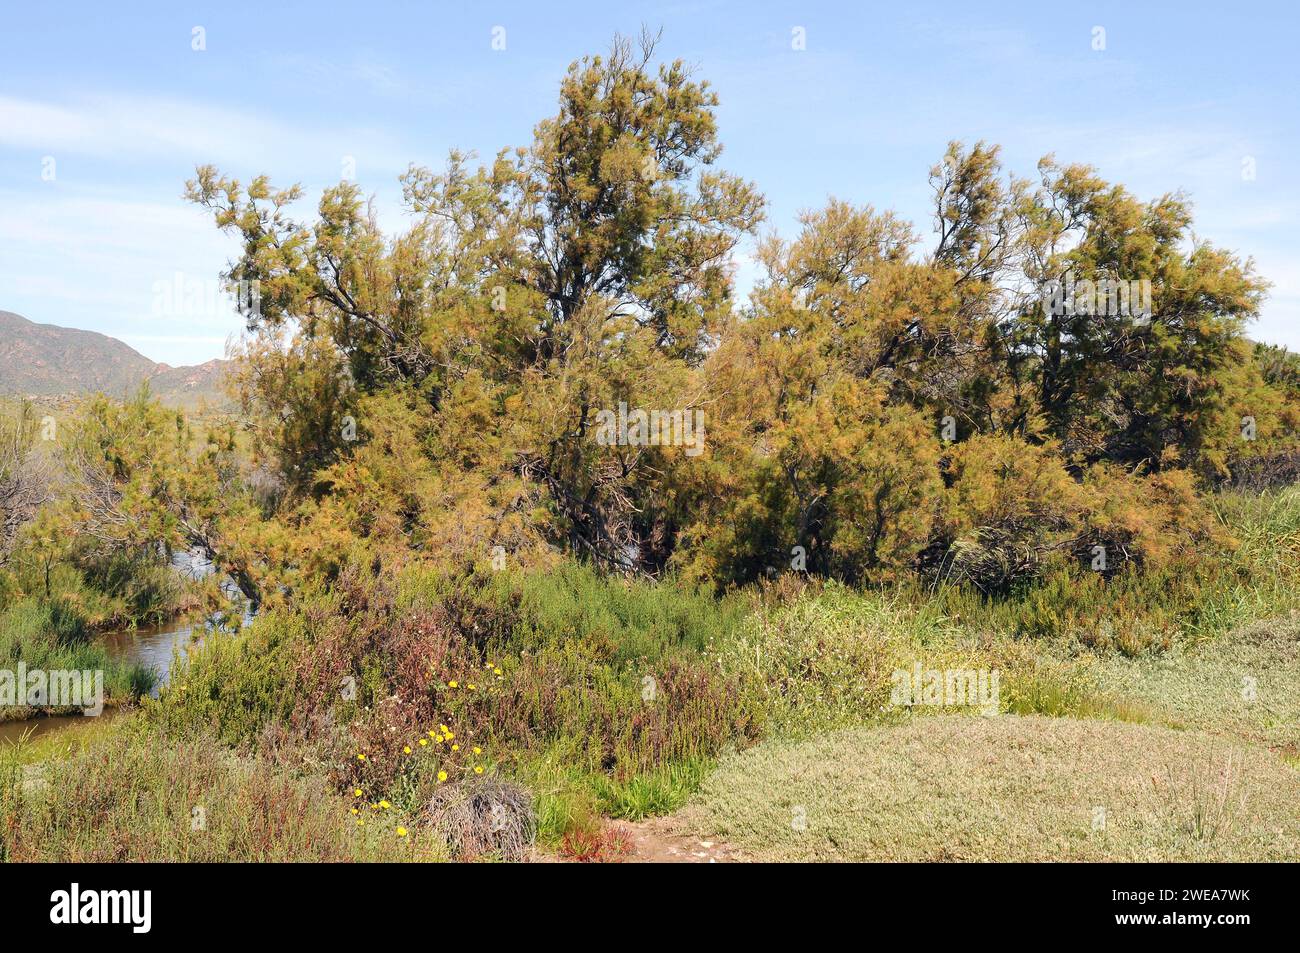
{"x":156,"y":646}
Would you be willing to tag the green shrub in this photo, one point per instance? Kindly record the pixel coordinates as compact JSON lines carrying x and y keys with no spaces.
{"x":147,"y":591}
{"x":628,"y":620}
{"x":371,"y":668}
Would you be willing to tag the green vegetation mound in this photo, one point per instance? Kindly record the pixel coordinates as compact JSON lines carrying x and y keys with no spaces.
{"x":1005,"y":789}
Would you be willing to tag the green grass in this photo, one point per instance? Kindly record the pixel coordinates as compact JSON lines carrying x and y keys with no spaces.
{"x":56,"y":631}
{"x":111,"y":592}
{"x":567,"y":796}
{"x":1243,"y":684}
{"x":630,"y":621}
{"x":136,"y":796}
{"x":1042,"y":682}
{"x":1004,"y":789}
{"x":826,"y":661}
{"x":47,"y":635}
{"x":28,"y":747}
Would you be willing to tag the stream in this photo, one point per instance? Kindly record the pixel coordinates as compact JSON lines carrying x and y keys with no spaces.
{"x":150,"y":645}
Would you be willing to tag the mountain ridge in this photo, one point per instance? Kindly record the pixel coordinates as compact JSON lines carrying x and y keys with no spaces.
{"x":48,"y":360}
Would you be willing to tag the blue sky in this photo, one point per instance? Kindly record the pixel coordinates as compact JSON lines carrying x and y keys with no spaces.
{"x":1180,"y":97}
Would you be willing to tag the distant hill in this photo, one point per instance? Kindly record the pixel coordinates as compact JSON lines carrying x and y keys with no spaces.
{"x":44,"y":361}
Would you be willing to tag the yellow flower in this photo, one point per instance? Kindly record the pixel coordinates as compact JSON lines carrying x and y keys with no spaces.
{"x":471,"y":686}
{"x":361,"y":757}
{"x":406,"y":749}
{"x":385,"y":805}
{"x":354,"y":810}
{"x":478,"y":769}
{"x":496,"y":671}
{"x":442,"y":776}
{"x":401,"y":832}
{"x":449,"y":736}
{"x":443,"y":729}
{"x":478,"y":750}
{"x":455,"y":747}
{"x":452,"y":684}
{"x":423,"y":742}
{"x":360,"y":822}
{"x":488,"y":665}
{"x":357,"y":793}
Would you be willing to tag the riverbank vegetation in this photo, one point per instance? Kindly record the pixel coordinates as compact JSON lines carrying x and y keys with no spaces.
{"x":912,"y":455}
{"x":78,"y":554}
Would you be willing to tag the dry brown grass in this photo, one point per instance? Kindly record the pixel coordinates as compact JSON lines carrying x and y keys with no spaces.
{"x":484,"y":818}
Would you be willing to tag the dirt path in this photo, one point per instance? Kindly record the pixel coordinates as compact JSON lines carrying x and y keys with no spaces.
{"x":661,"y":840}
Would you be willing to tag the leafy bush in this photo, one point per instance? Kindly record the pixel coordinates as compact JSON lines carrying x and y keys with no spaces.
{"x":1009,"y":508}
{"x":631,"y":620}
{"x":1148,"y":520}
{"x":376,"y":678}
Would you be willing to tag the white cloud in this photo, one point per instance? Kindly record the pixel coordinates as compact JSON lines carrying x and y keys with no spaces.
{"x":363,"y":69}
{"x":84,"y":253}
{"x":130,"y":127}
{"x":92,"y":259}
